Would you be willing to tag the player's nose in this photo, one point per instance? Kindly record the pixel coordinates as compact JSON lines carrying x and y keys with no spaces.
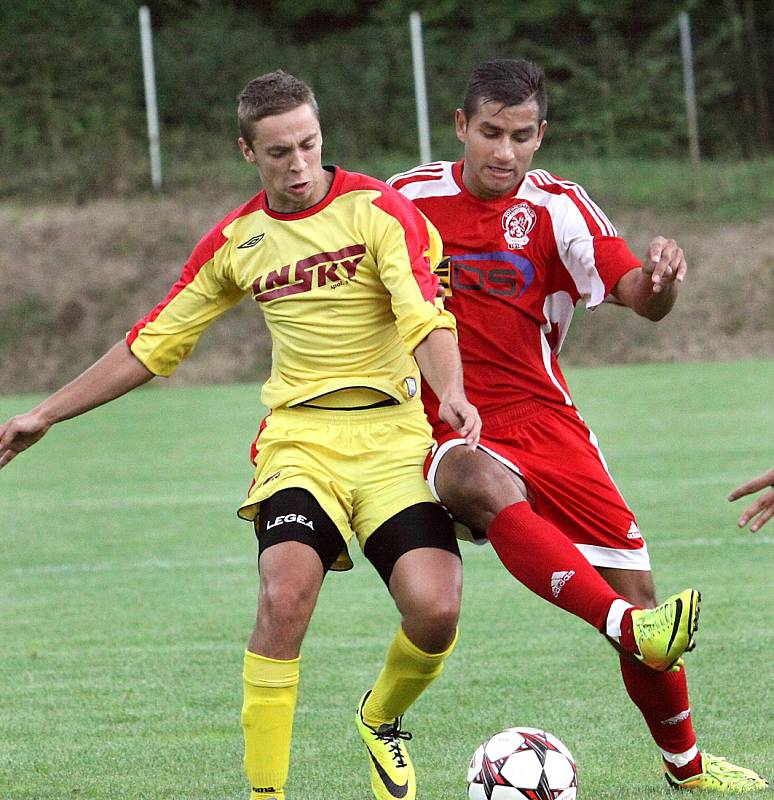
{"x":298,"y":162}
{"x":503,"y":151}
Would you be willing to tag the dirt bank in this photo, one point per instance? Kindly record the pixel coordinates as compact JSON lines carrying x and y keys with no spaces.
{"x":74,"y":279}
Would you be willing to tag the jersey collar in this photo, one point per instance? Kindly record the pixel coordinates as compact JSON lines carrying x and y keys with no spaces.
{"x":333,"y":192}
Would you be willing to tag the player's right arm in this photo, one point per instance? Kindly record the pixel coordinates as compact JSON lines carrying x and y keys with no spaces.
{"x":116,"y":373}
{"x":154,"y":346}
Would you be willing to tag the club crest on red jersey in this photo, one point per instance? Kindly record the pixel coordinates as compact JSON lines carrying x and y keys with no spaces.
{"x":518,"y":221}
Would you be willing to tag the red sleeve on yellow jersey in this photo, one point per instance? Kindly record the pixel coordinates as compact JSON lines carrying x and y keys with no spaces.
{"x":168,"y":334}
{"x":406,"y":250}
{"x":421,"y":250}
{"x":202,"y":253}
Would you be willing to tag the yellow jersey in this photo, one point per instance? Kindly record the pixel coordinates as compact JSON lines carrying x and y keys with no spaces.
{"x":346,"y":288}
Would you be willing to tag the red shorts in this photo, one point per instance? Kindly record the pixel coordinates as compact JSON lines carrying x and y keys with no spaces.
{"x":559,"y":459}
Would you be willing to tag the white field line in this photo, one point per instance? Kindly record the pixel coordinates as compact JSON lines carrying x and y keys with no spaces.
{"x":230,"y":561}
{"x":733,"y":539}
{"x":121,"y":501}
{"x":124,"y":566}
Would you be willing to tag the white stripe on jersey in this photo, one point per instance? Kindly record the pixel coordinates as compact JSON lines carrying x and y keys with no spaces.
{"x":557,"y":310}
{"x":574,"y":240}
{"x":441,"y":183}
{"x":545,"y":179}
{"x":435,"y":169}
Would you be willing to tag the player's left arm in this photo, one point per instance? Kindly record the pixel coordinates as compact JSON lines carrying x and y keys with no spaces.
{"x":408,"y":244}
{"x":651,"y":290}
{"x":438,"y":358}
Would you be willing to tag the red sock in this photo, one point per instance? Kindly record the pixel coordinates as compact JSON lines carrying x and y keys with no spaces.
{"x":662,"y":697}
{"x":693,"y":767}
{"x":627,"y":635}
{"x":541,"y":557}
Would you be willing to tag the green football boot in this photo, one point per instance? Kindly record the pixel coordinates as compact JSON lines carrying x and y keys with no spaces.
{"x":392,"y":773}
{"x":662,"y":634}
{"x":719,"y":775}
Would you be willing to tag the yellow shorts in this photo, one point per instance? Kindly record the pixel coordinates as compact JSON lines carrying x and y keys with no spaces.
{"x":362,"y":467}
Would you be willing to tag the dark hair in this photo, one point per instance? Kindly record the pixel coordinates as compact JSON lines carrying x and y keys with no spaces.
{"x":510,"y":81}
{"x":270,"y":94}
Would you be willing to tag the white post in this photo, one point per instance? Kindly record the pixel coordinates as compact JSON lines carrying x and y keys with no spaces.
{"x":690,"y":105}
{"x":151,"y":107}
{"x":420,"y":87}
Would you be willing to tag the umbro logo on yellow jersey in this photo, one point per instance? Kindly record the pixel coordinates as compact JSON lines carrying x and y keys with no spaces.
{"x":251,"y":242}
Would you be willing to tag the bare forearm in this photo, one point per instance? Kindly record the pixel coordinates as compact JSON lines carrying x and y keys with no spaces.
{"x":646,"y":302}
{"x":651,"y":289}
{"x":116,"y":373}
{"x":439,"y":362}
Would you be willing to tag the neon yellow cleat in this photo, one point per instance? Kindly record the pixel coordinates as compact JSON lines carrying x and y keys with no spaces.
{"x":664,"y":633}
{"x":392,"y":773}
{"x":719,"y":775}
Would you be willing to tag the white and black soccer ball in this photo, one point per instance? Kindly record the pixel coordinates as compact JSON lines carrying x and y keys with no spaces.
{"x":522,"y":764}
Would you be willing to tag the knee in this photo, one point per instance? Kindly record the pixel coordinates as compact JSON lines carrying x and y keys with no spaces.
{"x":444,"y":616}
{"x":284,"y":604}
{"x":644,"y":599}
{"x":433,"y":618}
{"x":474,"y":502}
{"x":475,"y":488}
{"x":641,"y":595}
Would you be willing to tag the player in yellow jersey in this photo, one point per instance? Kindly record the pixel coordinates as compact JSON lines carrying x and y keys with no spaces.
{"x":340,"y":264}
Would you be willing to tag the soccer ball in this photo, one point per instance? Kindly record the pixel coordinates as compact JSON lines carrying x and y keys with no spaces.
{"x":522,"y":764}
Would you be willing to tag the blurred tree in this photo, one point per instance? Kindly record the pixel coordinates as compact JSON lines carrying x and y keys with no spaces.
{"x":72,"y":107}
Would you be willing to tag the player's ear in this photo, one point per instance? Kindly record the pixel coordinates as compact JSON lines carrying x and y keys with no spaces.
{"x":460,"y":124}
{"x":247,"y":150}
{"x":541,"y":131}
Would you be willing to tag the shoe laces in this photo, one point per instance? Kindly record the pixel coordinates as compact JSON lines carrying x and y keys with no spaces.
{"x":656,"y":618}
{"x":719,"y":767}
{"x":392,"y":735}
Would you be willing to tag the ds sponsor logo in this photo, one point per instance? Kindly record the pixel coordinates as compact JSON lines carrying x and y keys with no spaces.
{"x":502,"y":274}
{"x":283,"y":518}
{"x":332,"y":269}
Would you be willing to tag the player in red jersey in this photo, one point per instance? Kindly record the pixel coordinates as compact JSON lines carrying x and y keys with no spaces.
{"x":522,"y":248}
{"x":340,"y":266}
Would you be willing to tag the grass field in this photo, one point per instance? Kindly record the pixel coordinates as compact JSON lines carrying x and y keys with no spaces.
{"x":128,"y":586}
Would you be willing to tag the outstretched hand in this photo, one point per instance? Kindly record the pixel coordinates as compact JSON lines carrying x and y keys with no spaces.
{"x":664,"y":263}
{"x":463,"y":417}
{"x":762,"y":510}
{"x":19,"y":433}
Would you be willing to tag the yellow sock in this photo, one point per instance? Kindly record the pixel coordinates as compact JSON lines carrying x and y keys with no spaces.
{"x":407,"y":672}
{"x":270,"y":690}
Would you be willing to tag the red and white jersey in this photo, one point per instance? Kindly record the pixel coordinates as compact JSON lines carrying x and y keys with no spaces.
{"x":514,"y":267}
